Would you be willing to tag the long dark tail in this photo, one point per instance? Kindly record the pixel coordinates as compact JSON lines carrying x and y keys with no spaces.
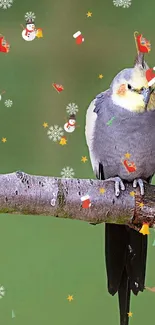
{"x":124,"y":299}
{"x":125,"y":251}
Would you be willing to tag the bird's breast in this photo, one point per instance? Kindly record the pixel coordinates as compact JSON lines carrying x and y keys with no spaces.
{"x":126,"y":147}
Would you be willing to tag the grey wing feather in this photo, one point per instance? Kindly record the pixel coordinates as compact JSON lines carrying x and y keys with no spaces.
{"x":93,"y":111}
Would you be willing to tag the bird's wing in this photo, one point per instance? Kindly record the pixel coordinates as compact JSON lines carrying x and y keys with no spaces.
{"x":93,"y":110}
{"x":115,"y":252}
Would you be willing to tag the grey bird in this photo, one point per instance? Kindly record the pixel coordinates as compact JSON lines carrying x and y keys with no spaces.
{"x":130,"y":104}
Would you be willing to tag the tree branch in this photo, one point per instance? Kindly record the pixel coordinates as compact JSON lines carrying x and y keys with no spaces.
{"x":22,"y":193}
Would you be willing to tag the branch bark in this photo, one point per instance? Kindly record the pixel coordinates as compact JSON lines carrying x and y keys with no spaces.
{"x":21,"y":193}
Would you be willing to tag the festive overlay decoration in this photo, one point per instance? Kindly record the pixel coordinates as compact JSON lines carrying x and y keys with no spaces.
{"x":13,"y":314}
{"x":84,"y":159}
{"x":45,"y":125}
{"x":63,"y":141}
{"x":72,"y":108}
{"x":145,"y":229}
{"x":142,"y":44}
{"x":129,"y":166}
{"x":110,"y":121}
{"x":70,"y":125}
{"x":89,"y":14}
{"x":132,"y":193}
{"x":4,"y":45}
{"x":4,"y":140}
{"x":55,"y":133}
{"x":39,"y":33}
{"x":2,"y":292}
{"x":78,"y":37}
{"x":6,"y":4}
{"x":30,"y":32}
{"x":70,"y":298}
{"x":67,"y":172}
{"x":85,"y":201}
{"x":58,"y":87}
{"x":122,"y":3}
{"x":3,"y":92}
{"x":30,"y":15}
{"x":8,"y":103}
{"x":150,"y":76}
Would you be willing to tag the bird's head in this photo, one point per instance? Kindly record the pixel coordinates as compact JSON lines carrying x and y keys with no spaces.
{"x":130,"y":88}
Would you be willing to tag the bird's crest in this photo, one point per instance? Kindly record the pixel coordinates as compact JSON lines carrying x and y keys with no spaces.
{"x":139,"y":60}
{"x":142,"y":46}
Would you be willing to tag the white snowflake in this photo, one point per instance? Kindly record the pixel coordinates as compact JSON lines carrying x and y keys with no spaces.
{"x":122,"y":3}
{"x":55,"y":133}
{"x":67,"y":172}
{"x":2,"y":292}
{"x":5,"y":4}
{"x":117,"y":3}
{"x":126,"y":3}
{"x":8,"y":103}
{"x":72,"y":108}
{"x":30,"y":15}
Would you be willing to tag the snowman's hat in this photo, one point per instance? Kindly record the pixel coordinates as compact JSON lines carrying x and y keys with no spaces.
{"x":29,"y":21}
{"x":72,"y":117}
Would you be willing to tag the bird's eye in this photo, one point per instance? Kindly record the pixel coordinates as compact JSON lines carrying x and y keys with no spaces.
{"x":129,"y":86}
{"x":142,"y":89}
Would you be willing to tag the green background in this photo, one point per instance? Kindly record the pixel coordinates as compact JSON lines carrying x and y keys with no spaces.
{"x":43,"y":259}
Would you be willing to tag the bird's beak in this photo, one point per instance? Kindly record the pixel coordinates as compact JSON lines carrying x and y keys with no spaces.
{"x":146,"y":93}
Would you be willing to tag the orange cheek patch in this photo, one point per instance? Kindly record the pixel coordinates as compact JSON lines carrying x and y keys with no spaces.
{"x":121,"y":90}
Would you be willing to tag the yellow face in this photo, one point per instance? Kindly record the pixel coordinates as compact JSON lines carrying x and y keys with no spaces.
{"x":128,"y":93}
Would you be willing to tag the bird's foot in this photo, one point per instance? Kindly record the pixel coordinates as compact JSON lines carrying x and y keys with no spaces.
{"x":139,"y":182}
{"x":118,"y":184}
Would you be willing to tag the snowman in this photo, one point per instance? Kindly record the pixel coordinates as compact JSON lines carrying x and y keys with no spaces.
{"x":70,"y":125}
{"x":29,"y":33}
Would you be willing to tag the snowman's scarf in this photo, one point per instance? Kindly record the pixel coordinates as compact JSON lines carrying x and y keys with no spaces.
{"x":28,"y":31}
{"x":69,"y":124}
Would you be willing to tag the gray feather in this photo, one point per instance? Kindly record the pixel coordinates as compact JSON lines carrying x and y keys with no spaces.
{"x":133,"y":133}
{"x":130,"y":132}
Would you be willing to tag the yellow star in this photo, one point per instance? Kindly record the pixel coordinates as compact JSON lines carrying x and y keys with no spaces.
{"x":63,"y":141}
{"x":141,"y":204}
{"x":4,"y":140}
{"x":70,"y":298}
{"x":89,"y":14}
{"x":100,"y":76}
{"x":132,"y":193}
{"x":127,"y":155}
{"x":84,"y":159}
{"x":45,"y":125}
{"x":130,"y":314}
{"x":102,"y":190}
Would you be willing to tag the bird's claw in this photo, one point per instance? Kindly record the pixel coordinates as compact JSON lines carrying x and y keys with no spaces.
{"x":139,"y":182}
{"x":118,"y":184}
